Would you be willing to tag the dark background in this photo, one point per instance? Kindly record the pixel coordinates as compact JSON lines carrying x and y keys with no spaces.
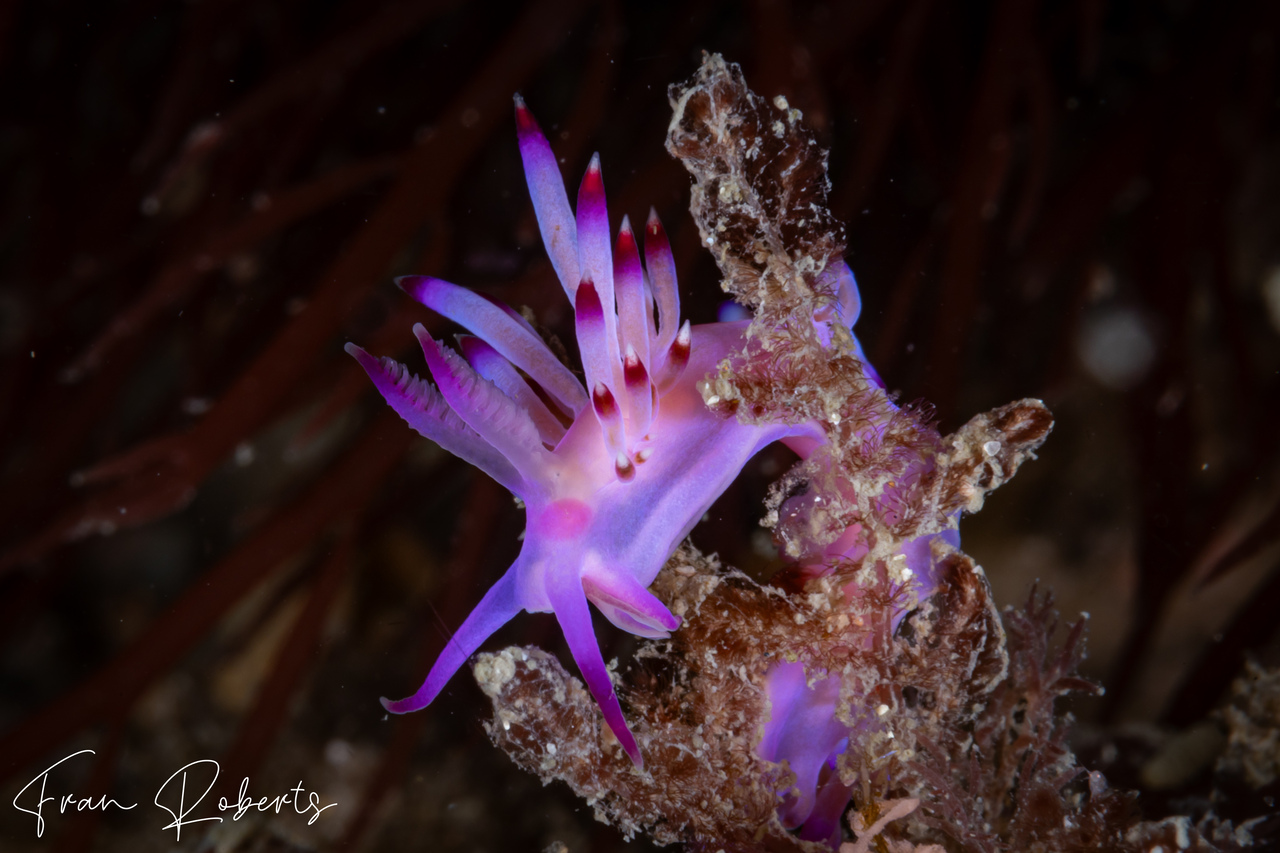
{"x":215,"y":540}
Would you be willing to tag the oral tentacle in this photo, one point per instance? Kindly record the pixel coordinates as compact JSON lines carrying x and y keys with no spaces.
{"x":422,"y":407}
{"x":516,"y":316}
{"x":499,"y":605}
{"x":629,"y":605}
{"x":550,"y":201}
{"x":517,"y":343}
{"x":569,"y":602}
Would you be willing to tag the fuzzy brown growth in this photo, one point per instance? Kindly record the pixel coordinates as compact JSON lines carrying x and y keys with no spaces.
{"x":760,"y":201}
{"x":954,"y":710}
{"x":698,"y":705}
{"x":984,"y":455}
{"x":1253,"y":727}
{"x":760,"y":197}
{"x":845,"y":483}
{"x":1010,"y":781}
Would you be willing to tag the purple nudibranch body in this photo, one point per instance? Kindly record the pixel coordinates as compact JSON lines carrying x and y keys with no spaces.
{"x":609,"y":496}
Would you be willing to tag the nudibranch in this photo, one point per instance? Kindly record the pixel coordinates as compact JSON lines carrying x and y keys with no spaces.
{"x":613,"y":473}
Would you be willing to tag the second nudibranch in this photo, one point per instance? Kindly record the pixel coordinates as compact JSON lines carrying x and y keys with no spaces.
{"x":614,"y":473}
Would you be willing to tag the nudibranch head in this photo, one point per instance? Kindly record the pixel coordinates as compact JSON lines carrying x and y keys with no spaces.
{"x":613,"y":471}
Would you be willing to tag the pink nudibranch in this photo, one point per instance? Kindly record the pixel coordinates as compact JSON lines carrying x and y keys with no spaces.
{"x":611,"y":496}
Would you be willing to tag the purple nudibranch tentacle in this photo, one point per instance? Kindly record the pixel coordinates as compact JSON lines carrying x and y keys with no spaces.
{"x":496,"y":609}
{"x":569,"y":601}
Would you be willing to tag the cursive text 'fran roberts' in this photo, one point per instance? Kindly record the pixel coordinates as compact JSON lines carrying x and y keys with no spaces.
{"x":182,"y":796}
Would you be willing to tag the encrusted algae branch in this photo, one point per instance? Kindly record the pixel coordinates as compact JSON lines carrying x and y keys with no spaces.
{"x":760,"y":200}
